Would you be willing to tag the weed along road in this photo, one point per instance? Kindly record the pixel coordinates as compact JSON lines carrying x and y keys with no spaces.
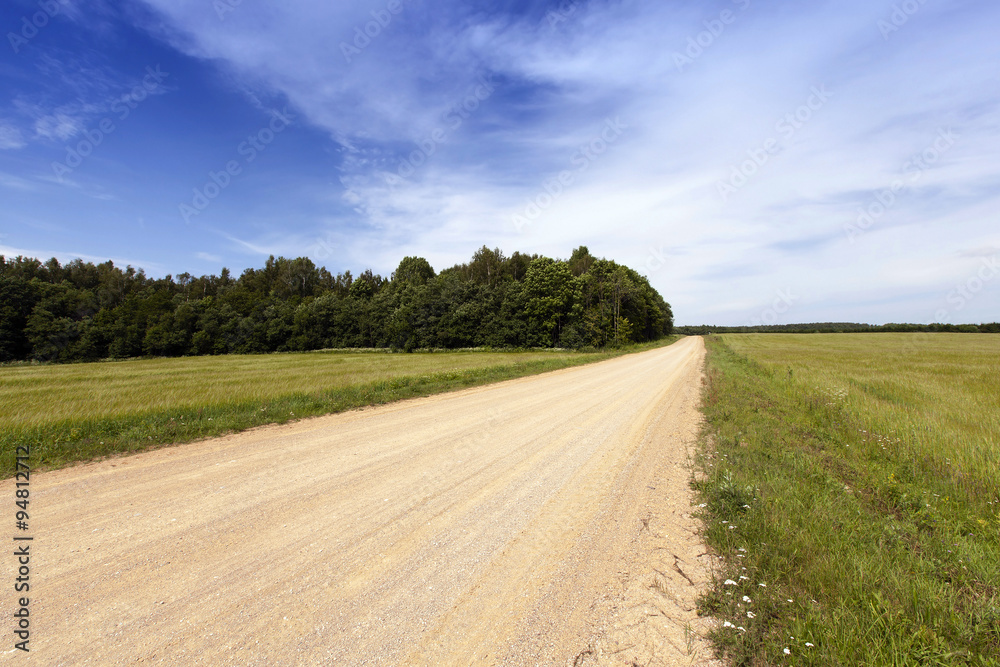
{"x":518,"y":523}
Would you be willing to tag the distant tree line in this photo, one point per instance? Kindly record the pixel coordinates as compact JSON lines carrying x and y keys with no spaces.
{"x":83,"y":311}
{"x":840,"y":327}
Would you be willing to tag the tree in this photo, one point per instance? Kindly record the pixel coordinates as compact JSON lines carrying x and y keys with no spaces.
{"x":549,"y":293}
{"x":580,"y":261}
{"x":366,"y":285}
{"x":80,"y":310}
{"x":623,"y":331}
{"x":17,"y":300}
{"x":488,"y":267}
{"x":412,"y":271}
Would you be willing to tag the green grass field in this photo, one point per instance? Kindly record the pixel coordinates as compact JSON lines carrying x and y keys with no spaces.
{"x":851,"y":486}
{"x":78,"y":412}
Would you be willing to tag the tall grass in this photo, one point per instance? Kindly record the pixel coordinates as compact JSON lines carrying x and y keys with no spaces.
{"x":857,"y":477}
{"x":78,"y":412}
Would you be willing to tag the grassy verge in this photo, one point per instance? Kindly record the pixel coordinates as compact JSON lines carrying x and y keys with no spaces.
{"x":81,"y":412}
{"x":851,"y":487}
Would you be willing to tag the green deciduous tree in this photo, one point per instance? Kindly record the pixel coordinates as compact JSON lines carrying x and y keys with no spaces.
{"x":55,"y":312}
{"x":549,"y":292}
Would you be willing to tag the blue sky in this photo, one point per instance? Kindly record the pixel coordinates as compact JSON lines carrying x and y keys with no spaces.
{"x":759,"y":161}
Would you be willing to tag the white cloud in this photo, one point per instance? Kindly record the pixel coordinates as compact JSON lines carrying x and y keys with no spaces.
{"x":76,"y":90}
{"x":208,"y":257}
{"x":15,"y":182}
{"x":58,"y":126}
{"x":10,"y":137}
{"x":658,"y":186}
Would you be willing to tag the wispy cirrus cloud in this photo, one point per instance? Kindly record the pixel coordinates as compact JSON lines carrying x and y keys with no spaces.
{"x":10,"y":137}
{"x":70,"y":91}
{"x":16,"y":182}
{"x":59,"y":126}
{"x":400,"y":155}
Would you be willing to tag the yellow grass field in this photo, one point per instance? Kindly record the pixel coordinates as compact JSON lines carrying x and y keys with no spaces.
{"x":937,"y":395}
{"x":36,"y":395}
{"x":851,"y":485}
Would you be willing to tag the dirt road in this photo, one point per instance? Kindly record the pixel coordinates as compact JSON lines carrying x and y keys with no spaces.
{"x":537,"y":521}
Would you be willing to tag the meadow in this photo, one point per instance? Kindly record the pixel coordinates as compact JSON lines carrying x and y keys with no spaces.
{"x":850,"y":485}
{"x":78,"y":412}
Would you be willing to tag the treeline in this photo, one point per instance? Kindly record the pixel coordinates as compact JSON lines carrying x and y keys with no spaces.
{"x":82,"y":311}
{"x":841,"y":327}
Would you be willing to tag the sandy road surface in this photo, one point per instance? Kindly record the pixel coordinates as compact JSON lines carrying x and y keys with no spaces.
{"x":537,"y":521}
